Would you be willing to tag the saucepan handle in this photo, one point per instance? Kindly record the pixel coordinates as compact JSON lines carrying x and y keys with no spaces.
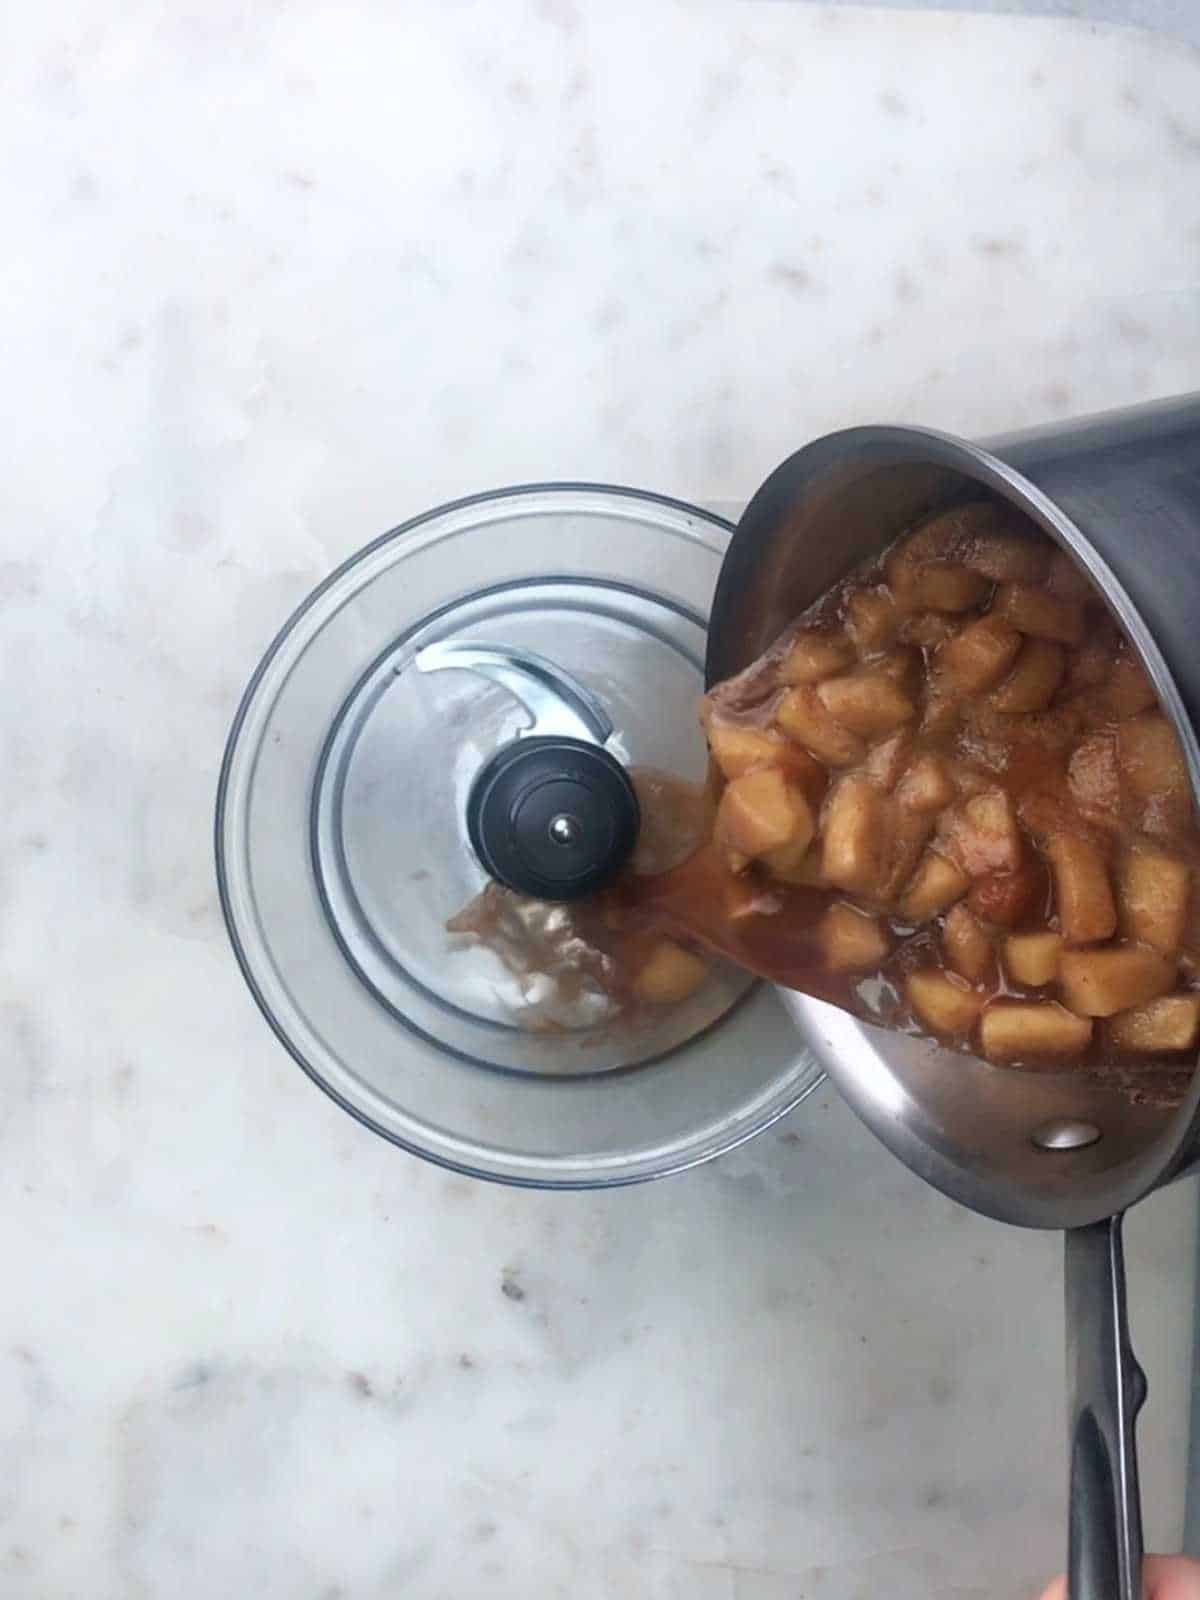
{"x":1106,"y":1388}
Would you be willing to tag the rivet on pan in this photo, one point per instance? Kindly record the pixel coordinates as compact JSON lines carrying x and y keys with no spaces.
{"x":1065,"y":1133}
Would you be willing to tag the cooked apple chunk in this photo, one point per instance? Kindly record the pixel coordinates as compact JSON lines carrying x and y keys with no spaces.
{"x":1171,"y":1022}
{"x":805,"y":870}
{"x":783,"y":859}
{"x":887,"y":760}
{"x":1032,"y":958}
{"x":669,"y":974}
{"x":802,"y":717}
{"x":1086,"y":910}
{"x":982,"y":835}
{"x":984,"y":535}
{"x":926,"y":629}
{"x":1153,"y":891}
{"x":1099,"y":983}
{"x":850,"y":940}
{"x":1154,"y":769}
{"x":1032,"y":1030}
{"x":926,"y":784}
{"x":871,"y":620}
{"x":1094,"y":780}
{"x":738,"y":750}
{"x":910,"y":831}
{"x":854,"y":835}
{"x":869,"y":703}
{"x":976,"y":657}
{"x":934,"y":585}
{"x":943,"y":1003}
{"x":1037,"y":612}
{"x":1005,"y":557}
{"x":1031,"y":684}
{"x":965,"y":945}
{"x":937,"y":883}
{"x":815,"y":655}
{"x":763,"y":811}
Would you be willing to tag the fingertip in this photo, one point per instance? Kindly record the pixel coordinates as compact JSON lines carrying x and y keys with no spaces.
{"x":1171,"y":1578}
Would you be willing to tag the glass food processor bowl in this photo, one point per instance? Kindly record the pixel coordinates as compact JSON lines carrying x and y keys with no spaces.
{"x":343,"y":848}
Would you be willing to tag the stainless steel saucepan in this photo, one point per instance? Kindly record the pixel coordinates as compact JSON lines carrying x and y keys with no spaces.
{"x":1121,"y":492}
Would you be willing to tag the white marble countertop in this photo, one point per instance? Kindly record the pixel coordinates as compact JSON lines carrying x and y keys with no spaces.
{"x":277,"y":277}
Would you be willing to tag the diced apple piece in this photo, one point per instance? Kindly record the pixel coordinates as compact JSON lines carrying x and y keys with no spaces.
{"x":815,"y":655}
{"x":976,"y":657}
{"x":761,"y":811}
{"x":851,"y":941}
{"x":965,"y":946}
{"x":942,"y":1002}
{"x":1099,"y":983}
{"x":927,"y":630}
{"x":982,"y":535}
{"x":802,"y":717}
{"x":1040,"y":613}
{"x":871,"y":620}
{"x":938,"y":537}
{"x":1032,"y":1030}
{"x":936,"y":884}
{"x":926,"y":785}
{"x":669,"y":974}
{"x":1153,"y":892}
{"x":1006,"y":898}
{"x":738,"y":750}
{"x":1005,"y":557}
{"x":1032,"y":683}
{"x":806,"y":872}
{"x":982,"y":834}
{"x":888,"y":760}
{"x":910,"y":834}
{"x":785,"y":858}
{"x":1082,"y":893}
{"x":1094,"y":780}
{"x":1032,"y":958}
{"x":855,"y":835}
{"x":1169,"y":1023}
{"x":935,"y":585}
{"x":807,"y":771}
{"x":868,"y":703}
{"x":1129,"y":689}
{"x":1153,"y":767}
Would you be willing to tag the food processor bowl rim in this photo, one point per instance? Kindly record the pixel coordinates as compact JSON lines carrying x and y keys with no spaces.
{"x":602,"y":1179}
